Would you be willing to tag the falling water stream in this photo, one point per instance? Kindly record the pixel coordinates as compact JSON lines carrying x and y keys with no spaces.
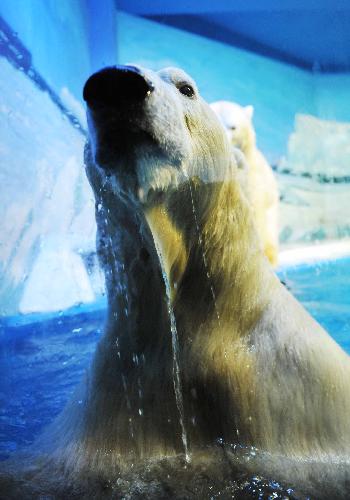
{"x":176,"y":365}
{"x":174,"y":334}
{"x":203,"y":253}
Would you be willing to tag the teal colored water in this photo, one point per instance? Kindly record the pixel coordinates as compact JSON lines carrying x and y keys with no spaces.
{"x":42,"y":362}
{"x":324,"y":290}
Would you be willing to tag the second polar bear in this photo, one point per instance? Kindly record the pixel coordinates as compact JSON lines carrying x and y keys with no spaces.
{"x":261,"y":184}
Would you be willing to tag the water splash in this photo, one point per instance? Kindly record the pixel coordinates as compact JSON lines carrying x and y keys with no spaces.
{"x":176,"y":366}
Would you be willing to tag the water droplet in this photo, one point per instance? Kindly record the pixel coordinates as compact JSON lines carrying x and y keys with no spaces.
{"x":140,"y":411}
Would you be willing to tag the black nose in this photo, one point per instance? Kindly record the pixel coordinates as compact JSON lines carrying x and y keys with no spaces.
{"x":115,"y":85}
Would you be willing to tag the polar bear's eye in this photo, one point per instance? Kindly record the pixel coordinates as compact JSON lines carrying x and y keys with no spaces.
{"x":187,"y":90}
{"x":232,"y":127}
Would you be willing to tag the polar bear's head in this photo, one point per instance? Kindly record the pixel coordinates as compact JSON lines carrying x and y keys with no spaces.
{"x":153,"y":128}
{"x":237,"y":121}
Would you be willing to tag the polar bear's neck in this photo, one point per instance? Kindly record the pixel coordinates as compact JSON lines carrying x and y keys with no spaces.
{"x":212,"y":254}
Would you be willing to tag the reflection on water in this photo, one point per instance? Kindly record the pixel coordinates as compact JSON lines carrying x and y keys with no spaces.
{"x":41,"y":363}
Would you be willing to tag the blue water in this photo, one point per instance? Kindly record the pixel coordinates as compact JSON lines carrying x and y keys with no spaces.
{"x":324,"y":290}
{"x":42,"y":361}
{"x":40,"y":365}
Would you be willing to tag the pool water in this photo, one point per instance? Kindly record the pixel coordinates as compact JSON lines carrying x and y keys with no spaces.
{"x":324,"y":290}
{"x":43,"y":359}
{"x":40,"y":365}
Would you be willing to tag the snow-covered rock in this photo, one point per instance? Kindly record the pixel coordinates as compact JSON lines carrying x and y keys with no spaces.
{"x":314,"y":182}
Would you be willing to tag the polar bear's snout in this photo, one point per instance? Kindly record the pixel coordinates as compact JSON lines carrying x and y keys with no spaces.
{"x":115,"y":86}
{"x":116,"y":99}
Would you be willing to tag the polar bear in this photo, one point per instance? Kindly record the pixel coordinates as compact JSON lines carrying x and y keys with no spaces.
{"x":262,"y":185}
{"x":203,"y":348}
{"x":255,"y":367}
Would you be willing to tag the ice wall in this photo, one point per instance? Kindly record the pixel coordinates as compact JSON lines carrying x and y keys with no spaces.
{"x":47,"y":211}
{"x":319,"y":147}
{"x":47,"y":248}
{"x":314,"y":181}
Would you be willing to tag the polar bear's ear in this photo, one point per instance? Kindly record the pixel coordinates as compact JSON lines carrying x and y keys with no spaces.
{"x":249,"y":111}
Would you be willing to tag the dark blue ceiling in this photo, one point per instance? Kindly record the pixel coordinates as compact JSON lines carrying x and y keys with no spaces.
{"x":312,"y":34}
